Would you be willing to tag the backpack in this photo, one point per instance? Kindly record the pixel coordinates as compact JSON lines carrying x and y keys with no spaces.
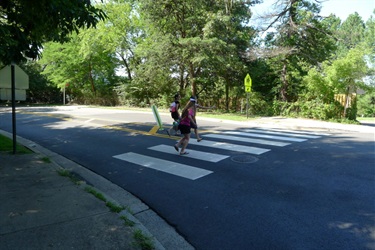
{"x":172,"y":107}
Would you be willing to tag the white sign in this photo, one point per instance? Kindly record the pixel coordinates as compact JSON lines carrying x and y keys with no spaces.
{"x":21,"y":80}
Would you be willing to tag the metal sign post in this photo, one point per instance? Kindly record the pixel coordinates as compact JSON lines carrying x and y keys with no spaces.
{"x":248,"y":83}
{"x":13,"y":108}
{"x":247,"y":105}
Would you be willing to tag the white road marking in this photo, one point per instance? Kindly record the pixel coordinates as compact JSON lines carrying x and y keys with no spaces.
{"x":169,"y":167}
{"x":251,"y":140}
{"x":204,"y":156}
{"x":283,"y":138}
{"x":228,"y":146}
{"x":294,"y":132}
{"x":282,"y":133}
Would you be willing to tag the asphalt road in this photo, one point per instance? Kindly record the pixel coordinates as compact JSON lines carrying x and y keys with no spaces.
{"x":303,"y":189}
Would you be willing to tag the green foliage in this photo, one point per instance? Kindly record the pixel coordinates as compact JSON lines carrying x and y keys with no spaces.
{"x":41,"y":90}
{"x":366,"y":105}
{"x":85,"y":70}
{"x":301,"y":40}
{"x":143,"y":241}
{"x":147,"y":50}
{"x":314,"y":109}
{"x":6,"y":145}
{"x":350,"y":34}
{"x":127,"y":221}
{"x":196,"y":45}
{"x":76,"y":179}
{"x":259,"y":105}
{"x":25,"y":25}
{"x":342,"y":76}
{"x":114,"y":207}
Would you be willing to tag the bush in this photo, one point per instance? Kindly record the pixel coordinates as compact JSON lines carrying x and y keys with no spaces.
{"x":314,"y":109}
{"x":259,"y":106}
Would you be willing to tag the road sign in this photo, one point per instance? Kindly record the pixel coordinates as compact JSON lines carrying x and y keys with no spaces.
{"x":21,"y":80}
{"x":248,"y":83}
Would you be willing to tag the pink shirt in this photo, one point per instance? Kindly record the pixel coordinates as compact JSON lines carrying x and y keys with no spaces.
{"x":186,"y":120}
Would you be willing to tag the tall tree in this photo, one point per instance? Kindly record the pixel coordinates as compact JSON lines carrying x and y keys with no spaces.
{"x":121,"y":32}
{"x":301,"y":39}
{"x":84,"y":66}
{"x":350,"y":34}
{"x":343,"y":76}
{"x":198,"y":42}
{"x":25,"y":25}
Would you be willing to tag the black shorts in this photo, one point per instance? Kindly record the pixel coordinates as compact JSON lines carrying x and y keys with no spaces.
{"x":185,"y":129}
{"x":175,"y":116}
{"x":193,"y":126}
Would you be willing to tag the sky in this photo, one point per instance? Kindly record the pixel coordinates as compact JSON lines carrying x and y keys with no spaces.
{"x":341,"y":8}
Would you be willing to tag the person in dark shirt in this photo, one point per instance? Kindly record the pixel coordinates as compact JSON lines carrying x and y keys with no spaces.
{"x":175,"y":105}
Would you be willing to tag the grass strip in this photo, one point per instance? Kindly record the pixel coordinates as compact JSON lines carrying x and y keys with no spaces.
{"x":6,"y":145}
{"x":143,"y":241}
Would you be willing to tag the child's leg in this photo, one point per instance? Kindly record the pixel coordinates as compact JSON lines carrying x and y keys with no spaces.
{"x":185,"y":143}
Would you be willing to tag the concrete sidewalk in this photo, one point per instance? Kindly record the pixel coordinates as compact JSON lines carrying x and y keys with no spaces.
{"x":41,"y":209}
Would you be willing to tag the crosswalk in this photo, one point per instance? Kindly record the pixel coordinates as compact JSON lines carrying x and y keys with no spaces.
{"x":247,"y":141}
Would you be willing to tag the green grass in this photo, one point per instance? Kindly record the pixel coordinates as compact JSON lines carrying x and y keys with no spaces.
{"x":112,"y":206}
{"x":71,"y":176}
{"x":6,"y":145}
{"x":127,"y":221}
{"x":369,"y":119}
{"x":46,"y":159}
{"x":226,"y":116}
{"x":143,"y":241}
{"x":95,"y":193}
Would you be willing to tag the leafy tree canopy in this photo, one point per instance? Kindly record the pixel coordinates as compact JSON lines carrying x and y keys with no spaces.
{"x":25,"y":25}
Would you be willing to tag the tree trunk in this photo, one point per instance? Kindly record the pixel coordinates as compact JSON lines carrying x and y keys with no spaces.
{"x":126,"y":66}
{"x":192,"y":80}
{"x":346,"y":105}
{"x":91,"y":79}
{"x":226,"y":96}
{"x":182,"y":82}
{"x":284,"y":83}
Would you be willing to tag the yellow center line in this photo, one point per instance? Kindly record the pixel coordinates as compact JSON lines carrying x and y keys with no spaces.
{"x":152,"y":132}
{"x":141,"y":132}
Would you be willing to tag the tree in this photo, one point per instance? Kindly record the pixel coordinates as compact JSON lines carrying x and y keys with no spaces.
{"x":41,"y":90}
{"x":350,"y":34}
{"x":121,"y":32}
{"x":84,"y":65}
{"x":197,"y":43}
{"x":343,"y":76}
{"x":25,"y":25}
{"x":301,"y":39}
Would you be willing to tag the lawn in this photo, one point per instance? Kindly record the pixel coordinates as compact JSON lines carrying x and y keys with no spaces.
{"x":6,"y":145}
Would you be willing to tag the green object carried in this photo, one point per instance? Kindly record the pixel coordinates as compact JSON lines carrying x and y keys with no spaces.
{"x":157,"y":117}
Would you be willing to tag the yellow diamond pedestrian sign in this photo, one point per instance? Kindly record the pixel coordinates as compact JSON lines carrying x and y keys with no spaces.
{"x":248,"y":83}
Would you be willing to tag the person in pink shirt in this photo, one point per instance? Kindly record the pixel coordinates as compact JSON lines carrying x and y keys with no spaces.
{"x":186,"y":121}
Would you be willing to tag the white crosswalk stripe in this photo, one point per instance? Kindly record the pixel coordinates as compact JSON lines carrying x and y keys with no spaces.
{"x":283,"y":133}
{"x":204,"y":156}
{"x":275,"y":138}
{"x":250,"y":140}
{"x":229,"y":146}
{"x":293,"y":132}
{"x":170,"y":167}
